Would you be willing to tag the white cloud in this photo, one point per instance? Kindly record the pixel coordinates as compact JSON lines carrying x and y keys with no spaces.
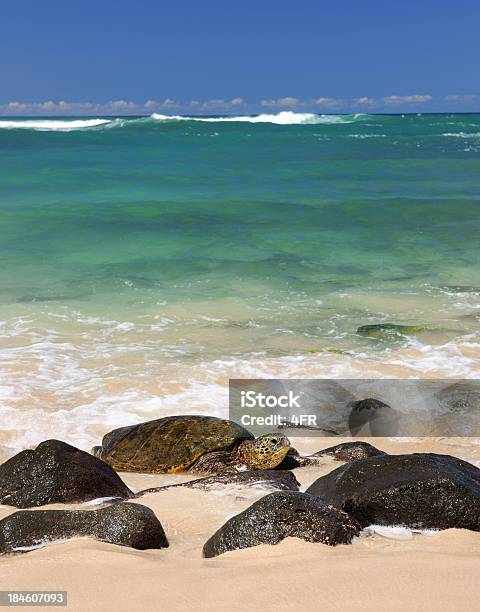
{"x":121,"y":105}
{"x":214,"y":104}
{"x":217,"y":104}
{"x":457,"y":98}
{"x":48,"y":106}
{"x":68,"y":108}
{"x":415,"y":99}
{"x":15,"y":107}
{"x":169,"y":103}
{"x":166,"y":104}
{"x":151,"y":104}
{"x":364,"y":101}
{"x":327,"y":102}
{"x":287,"y":101}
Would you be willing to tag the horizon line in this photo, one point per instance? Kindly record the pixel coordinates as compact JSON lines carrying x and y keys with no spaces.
{"x":246,"y":114}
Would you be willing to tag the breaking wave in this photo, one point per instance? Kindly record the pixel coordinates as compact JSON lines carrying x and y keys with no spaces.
{"x":70,"y":125}
{"x":283,"y":118}
{"x":53,"y":125}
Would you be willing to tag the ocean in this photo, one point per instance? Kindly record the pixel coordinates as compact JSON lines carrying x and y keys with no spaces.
{"x":147,"y":260}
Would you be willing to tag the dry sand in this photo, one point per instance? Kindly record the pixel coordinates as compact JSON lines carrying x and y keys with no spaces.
{"x":426,"y":572}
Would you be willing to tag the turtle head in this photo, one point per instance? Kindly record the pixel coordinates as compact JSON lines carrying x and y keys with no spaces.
{"x":266,"y":452}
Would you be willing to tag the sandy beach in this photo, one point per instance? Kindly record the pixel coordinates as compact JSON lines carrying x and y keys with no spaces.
{"x":232,"y":235}
{"x":420,"y":571}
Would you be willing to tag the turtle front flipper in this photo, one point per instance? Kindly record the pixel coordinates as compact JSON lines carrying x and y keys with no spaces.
{"x":217,"y":462}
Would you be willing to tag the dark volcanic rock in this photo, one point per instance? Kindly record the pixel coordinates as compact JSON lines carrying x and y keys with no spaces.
{"x":274,"y":479}
{"x":350,"y":451}
{"x":347,"y":451}
{"x":459,"y":409}
{"x":280,"y":515}
{"x":124,"y":524}
{"x":422,"y":490}
{"x":57,"y":472}
{"x":369,"y":404}
{"x":372,"y":417}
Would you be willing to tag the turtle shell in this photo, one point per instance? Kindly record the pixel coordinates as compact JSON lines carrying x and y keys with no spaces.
{"x":171,"y":444}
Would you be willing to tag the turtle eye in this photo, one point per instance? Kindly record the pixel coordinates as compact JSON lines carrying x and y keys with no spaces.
{"x":274,"y":440}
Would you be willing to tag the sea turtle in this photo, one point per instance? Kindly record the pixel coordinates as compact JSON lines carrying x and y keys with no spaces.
{"x":190,"y":443}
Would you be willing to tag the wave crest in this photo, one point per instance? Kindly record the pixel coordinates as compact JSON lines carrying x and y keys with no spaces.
{"x":282,"y":118}
{"x":52,"y":125}
{"x":70,"y":125}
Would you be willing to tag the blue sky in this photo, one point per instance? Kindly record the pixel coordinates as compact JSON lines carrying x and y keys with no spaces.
{"x":118,"y":57}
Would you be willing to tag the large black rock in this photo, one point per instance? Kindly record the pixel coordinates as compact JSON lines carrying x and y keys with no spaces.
{"x":350,"y":451}
{"x":57,"y":472}
{"x":280,"y":515}
{"x":346,"y":451}
{"x":372,"y":417}
{"x":282,"y":480}
{"x":421,"y":490}
{"x":124,"y":524}
{"x":459,"y":409}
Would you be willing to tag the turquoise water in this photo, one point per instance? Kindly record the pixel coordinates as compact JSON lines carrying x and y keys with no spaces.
{"x":145,"y":246}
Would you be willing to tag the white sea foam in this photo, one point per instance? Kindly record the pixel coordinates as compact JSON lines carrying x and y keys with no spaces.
{"x":69,"y":125}
{"x":40,"y":544}
{"x":462,"y":134}
{"x":396,"y":533}
{"x":70,"y":394}
{"x":78,"y":374}
{"x":99,"y":501}
{"x":363,"y":136}
{"x":282,"y":118}
{"x":52,"y":125}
